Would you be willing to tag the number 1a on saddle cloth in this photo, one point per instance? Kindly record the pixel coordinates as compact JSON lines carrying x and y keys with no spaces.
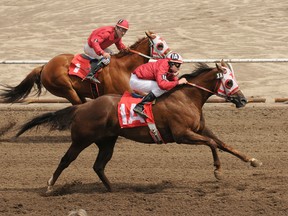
{"x":126,"y":115}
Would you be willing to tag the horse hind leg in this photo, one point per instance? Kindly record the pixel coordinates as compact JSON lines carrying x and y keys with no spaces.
{"x":71,"y":154}
{"x":74,"y":98}
{"x":106,"y":148}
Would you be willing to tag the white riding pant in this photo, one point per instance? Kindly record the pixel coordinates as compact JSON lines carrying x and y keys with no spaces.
{"x":145,"y":86}
{"x":92,"y":54}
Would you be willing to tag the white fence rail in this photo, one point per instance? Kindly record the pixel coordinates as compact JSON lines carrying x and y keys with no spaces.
{"x":185,"y":60}
{"x":235,"y":60}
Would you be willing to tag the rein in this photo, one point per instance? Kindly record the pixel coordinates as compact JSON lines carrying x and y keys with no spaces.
{"x":146,"y":56}
{"x":207,"y":90}
{"x":141,"y":54}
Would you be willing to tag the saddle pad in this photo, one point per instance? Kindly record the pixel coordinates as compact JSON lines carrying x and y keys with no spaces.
{"x":79,"y":66}
{"x":127,"y":117}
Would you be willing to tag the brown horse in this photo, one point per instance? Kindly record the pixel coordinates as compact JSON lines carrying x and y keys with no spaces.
{"x":178,"y":116}
{"x":114,"y":78}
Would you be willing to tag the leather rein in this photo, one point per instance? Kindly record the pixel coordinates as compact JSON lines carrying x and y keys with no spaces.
{"x":141,"y":54}
{"x":207,"y":90}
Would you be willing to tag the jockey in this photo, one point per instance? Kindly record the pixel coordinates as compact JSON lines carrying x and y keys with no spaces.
{"x":156,"y":78}
{"x":99,"y":41}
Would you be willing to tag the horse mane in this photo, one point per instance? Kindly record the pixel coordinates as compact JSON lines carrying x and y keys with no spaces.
{"x":126,"y":51}
{"x":199,"y":69}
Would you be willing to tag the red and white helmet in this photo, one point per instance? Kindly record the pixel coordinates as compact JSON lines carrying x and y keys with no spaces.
{"x":175,"y":57}
{"x":122,"y":23}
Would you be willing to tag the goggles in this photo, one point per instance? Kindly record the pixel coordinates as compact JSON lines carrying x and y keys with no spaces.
{"x":122,"y":29}
{"x":176,"y":64}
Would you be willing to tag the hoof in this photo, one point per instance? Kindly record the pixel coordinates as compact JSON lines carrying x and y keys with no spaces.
{"x":49,"y":190}
{"x":255,"y":163}
{"x":218,"y":174}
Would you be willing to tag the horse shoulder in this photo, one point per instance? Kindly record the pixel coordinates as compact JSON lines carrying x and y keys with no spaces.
{"x":116,"y":78}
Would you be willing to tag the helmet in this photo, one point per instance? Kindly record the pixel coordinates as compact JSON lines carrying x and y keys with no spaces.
{"x":122,"y":23}
{"x":175,"y":57}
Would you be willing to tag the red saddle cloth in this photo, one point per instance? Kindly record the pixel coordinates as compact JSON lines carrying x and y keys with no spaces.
{"x":79,"y":66}
{"x":127,"y":117}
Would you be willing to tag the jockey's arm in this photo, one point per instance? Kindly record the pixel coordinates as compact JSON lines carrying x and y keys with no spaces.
{"x":163,"y":82}
{"x":120,"y":45}
{"x":96,"y":41}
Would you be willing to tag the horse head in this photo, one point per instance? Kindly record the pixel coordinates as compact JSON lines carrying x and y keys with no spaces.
{"x":159,"y":47}
{"x":153,"y":46}
{"x":220,"y":81}
{"x":229,"y":87}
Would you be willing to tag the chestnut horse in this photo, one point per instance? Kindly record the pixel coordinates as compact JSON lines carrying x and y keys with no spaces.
{"x":114,"y":78}
{"x":97,"y":121}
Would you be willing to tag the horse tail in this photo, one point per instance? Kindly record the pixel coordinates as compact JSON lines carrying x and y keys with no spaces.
{"x":14,"y":94}
{"x":59,"y":120}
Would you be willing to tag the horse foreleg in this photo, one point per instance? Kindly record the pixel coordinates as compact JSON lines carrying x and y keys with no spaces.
{"x":221,"y":145}
{"x":71,"y":154}
{"x":106,"y":148}
{"x":217,"y":171}
{"x":197,"y":139}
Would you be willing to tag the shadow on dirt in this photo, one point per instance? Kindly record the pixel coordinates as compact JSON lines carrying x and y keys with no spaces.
{"x":91,"y":188}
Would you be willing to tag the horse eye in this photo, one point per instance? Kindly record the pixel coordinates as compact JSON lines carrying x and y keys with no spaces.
{"x":160,"y":46}
{"x":229,"y":84}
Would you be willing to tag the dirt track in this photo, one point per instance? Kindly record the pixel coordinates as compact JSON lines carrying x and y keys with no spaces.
{"x":150,"y":179}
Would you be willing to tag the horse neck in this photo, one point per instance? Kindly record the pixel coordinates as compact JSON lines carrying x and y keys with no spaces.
{"x":132,"y":61}
{"x":206,"y":80}
{"x":122,"y":66}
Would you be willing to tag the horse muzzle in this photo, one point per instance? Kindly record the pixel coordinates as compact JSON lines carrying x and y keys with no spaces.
{"x":238,"y":99}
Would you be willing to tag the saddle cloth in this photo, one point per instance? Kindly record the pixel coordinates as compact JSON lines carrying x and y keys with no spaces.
{"x":79,"y":66}
{"x":127,"y":117}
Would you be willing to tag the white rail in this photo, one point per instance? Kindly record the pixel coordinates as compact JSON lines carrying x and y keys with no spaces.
{"x":185,"y":60}
{"x":235,"y":60}
{"x":23,"y":61}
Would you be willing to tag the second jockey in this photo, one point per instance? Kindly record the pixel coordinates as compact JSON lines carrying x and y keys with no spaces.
{"x":99,"y":41}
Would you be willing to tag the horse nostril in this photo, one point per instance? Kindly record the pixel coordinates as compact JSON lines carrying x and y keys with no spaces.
{"x":243,"y":101}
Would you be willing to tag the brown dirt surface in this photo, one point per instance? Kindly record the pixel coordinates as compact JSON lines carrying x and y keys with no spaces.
{"x":151,"y":179}
{"x":155,"y":179}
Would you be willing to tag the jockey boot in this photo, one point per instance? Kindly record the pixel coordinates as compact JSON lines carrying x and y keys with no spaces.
{"x":139,"y":108}
{"x":95,"y":66}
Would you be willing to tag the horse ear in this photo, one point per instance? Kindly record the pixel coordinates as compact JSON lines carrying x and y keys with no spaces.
{"x":147,"y":33}
{"x":150,"y":34}
{"x":223,"y":64}
{"x":218,"y":67}
{"x":230,"y":67}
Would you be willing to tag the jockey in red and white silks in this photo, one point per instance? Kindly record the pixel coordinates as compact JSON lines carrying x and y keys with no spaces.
{"x":156,"y":78}
{"x":98,"y":42}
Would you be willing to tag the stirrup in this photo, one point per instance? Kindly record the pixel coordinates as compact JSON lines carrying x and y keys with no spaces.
{"x":92,"y":78}
{"x":140,"y":112}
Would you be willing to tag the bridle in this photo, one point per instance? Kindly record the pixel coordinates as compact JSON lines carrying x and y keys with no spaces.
{"x":153,"y":47}
{"x":226,"y":97}
{"x":220,"y":76}
{"x":208,"y":90}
